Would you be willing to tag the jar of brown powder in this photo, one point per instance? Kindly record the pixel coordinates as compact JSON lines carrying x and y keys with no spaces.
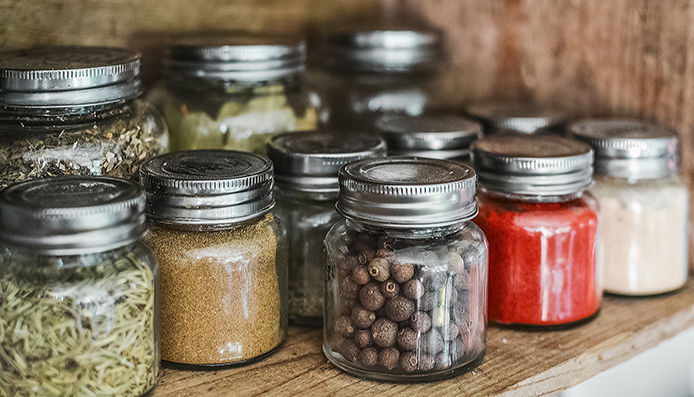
{"x":222,"y":253}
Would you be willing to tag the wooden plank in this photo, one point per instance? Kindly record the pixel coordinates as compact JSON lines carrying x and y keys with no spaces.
{"x":517,"y":362}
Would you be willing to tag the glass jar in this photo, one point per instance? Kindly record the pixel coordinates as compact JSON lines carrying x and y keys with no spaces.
{"x":406,"y":271}
{"x":222,"y":255}
{"x":234,"y":92}
{"x":441,"y":136}
{"x":542,"y":228}
{"x":306,"y":166}
{"x":365,"y":73}
{"x":79,"y":292}
{"x":523,"y":117}
{"x":74,"y":111}
{"x":644,"y":205}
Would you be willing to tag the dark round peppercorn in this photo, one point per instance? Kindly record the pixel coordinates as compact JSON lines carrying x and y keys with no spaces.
{"x":427,"y":301}
{"x":390,"y":288}
{"x":455,"y":263}
{"x":408,"y":361}
{"x":426,"y":362}
{"x":461,"y":280}
{"x":432,"y":342}
{"x":413,"y":289}
{"x":344,"y":327}
{"x":362,"y":318}
{"x":384,"y":332}
{"x":360,"y":275}
{"x":370,"y":297}
{"x":399,"y":308}
{"x":388,"y":358}
{"x":368,"y":357}
{"x":379,"y":269}
{"x":420,"y":322}
{"x":348,"y":288}
{"x":401,"y":272}
{"x":407,"y":339}
{"x":362,"y":338}
{"x":449,"y":331}
{"x":442,"y":361}
{"x":350,"y":351}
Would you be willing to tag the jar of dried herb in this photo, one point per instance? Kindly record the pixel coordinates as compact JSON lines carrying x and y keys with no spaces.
{"x":405,"y":271}
{"x":223,"y":256}
{"x":74,"y":111}
{"x":234,"y":91}
{"x":78,"y":291}
{"x":306,"y":166}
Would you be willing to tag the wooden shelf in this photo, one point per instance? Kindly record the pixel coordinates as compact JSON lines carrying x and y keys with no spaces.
{"x":517,"y":362}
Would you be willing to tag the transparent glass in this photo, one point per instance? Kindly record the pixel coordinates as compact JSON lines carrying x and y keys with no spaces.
{"x":644,"y":234}
{"x":543,"y":267}
{"x":108,"y":140}
{"x":79,"y":324}
{"x":309,"y":216}
{"x":203,"y":114}
{"x":405,"y":305}
{"x":223,"y":296}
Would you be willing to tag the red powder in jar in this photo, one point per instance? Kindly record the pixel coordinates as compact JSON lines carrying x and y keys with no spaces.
{"x":542,"y":260}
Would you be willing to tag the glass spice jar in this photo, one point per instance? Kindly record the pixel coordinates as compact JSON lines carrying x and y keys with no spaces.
{"x":365,"y":73}
{"x":441,"y":136}
{"x":74,"y":111}
{"x":542,"y":228}
{"x":644,"y":205}
{"x":524,"y":117}
{"x":222,"y":253}
{"x":234,"y":91}
{"x":79,"y":292}
{"x":406,"y":271}
{"x":306,"y":166}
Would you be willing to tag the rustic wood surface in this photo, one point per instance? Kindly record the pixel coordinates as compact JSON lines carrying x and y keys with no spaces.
{"x":517,"y":362}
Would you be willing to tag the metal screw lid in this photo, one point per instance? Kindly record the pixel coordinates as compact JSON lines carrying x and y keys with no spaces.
{"x":538,"y":165}
{"x":68,"y":76}
{"x":391,"y":50}
{"x":72,"y":215}
{"x":407,"y":192}
{"x":309,"y":161}
{"x":627,"y":148}
{"x":207,"y":187}
{"x":236,"y":57}
{"x":512,"y":116}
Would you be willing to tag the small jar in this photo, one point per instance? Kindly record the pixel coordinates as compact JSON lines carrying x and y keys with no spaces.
{"x":223,"y":256}
{"x":79,"y":292}
{"x":522,"y":117}
{"x":406,"y":271}
{"x":74,"y":111}
{"x":306,"y":166}
{"x":644,"y":205}
{"x":365,"y":73}
{"x":542,"y":228}
{"x":234,"y":91}
{"x":438,"y":136}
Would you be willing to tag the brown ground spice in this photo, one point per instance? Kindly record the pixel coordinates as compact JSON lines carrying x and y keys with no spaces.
{"x":220,"y":298}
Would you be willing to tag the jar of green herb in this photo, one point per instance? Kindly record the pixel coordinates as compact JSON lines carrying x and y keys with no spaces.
{"x":78,"y":291}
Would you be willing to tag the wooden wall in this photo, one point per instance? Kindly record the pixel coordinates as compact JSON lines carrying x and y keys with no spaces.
{"x":625,"y":57}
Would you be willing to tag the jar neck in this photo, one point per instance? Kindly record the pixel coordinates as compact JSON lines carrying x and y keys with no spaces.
{"x":295,"y":195}
{"x":268,"y":87}
{"x":29,"y":119}
{"x":413,"y":232}
{"x":217,"y":227}
{"x":559,"y":198}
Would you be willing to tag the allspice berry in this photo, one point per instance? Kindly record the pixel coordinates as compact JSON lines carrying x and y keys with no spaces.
{"x":460,"y":315}
{"x":344,"y":327}
{"x":362,"y":338}
{"x":426,"y":362}
{"x":350,"y":351}
{"x":442,"y":361}
{"x":407,"y":339}
{"x":434,"y":280}
{"x":384,"y":332}
{"x":368,"y":357}
{"x":408,"y":361}
{"x":390,"y":288}
{"x":388,"y":358}
{"x":362,"y":318}
{"x":428,"y":258}
{"x":401,"y":272}
{"x":449,"y":331}
{"x":432,"y":342}
{"x":420,"y":322}
{"x":384,"y":253}
{"x":337,"y":341}
{"x":370,"y":297}
{"x":346,"y":265}
{"x":427,"y":301}
{"x":360,"y":275}
{"x":413,"y":289}
{"x":457,"y":349}
{"x":399,"y":308}
{"x":379,"y":269}
{"x":348,"y":288}
{"x":367,"y":256}
{"x":455,"y":263}
{"x":461,"y":280}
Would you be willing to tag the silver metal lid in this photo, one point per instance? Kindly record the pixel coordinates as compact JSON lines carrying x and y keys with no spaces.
{"x":538,"y":165}
{"x":68,"y":76}
{"x":627,"y":148}
{"x":406,"y":192}
{"x":393,"y":50}
{"x":236,"y":57}
{"x":427,"y":133}
{"x":72,"y":215}
{"x":516,"y":116}
{"x":207,"y":187}
{"x":309,"y":161}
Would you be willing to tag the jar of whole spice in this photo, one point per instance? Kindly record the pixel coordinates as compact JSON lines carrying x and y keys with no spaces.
{"x":74,"y":111}
{"x":222,"y":255}
{"x":306,"y":166}
{"x":440,"y":136}
{"x":643,"y":205}
{"x":542,"y":228}
{"x":78,"y":291}
{"x":406,"y":271}
{"x":524,"y":117}
{"x":234,"y":91}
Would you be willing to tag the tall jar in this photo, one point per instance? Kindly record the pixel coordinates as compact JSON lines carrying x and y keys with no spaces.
{"x":79,"y":292}
{"x":516,"y":116}
{"x":644,"y":205}
{"x":223,"y":256}
{"x":365,"y":73}
{"x":542,"y":228}
{"x":234,"y":91}
{"x":406,"y":271}
{"x":306,"y":166}
{"x":437,"y":135}
{"x":74,"y":111}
